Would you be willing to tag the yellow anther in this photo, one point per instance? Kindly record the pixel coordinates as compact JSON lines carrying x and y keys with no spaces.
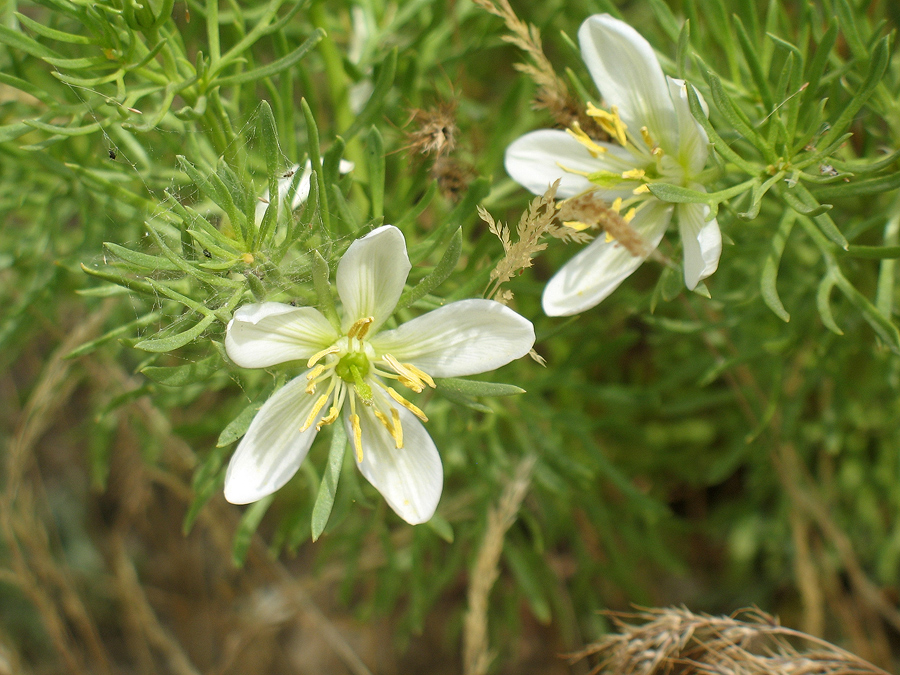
{"x":425,"y":377}
{"x":357,"y":436}
{"x":578,"y":134}
{"x":393,"y":427}
{"x":617,"y":204}
{"x":641,"y":189}
{"x":630,"y":215}
{"x":648,"y":139}
{"x":634,"y":174}
{"x":409,"y":375}
{"x":329,"y":418}
{"x":406,"y":404}
{"x":359,"y":329}
{"x":321,"y":355}
{"x":610,"y":122}
{"x":609,"y":238}
{"x":315,"y":372}
{"x":576,"y":225}
{"x":320,"y":403}
{"x":398,"y":428}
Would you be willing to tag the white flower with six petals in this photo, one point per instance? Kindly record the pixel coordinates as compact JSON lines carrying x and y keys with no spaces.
{"x":657,"y":140}
{"x":350,"y":368}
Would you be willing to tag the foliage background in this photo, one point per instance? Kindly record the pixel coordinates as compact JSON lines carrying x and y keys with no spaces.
{"x":674,"y":450}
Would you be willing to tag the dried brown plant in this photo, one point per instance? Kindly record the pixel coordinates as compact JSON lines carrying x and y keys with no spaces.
{"x":434,"y":130}
{"x":536,"y":222}
{"x":594,"y":212}
{"x":678,"y":642}
{"x":552,"y":95}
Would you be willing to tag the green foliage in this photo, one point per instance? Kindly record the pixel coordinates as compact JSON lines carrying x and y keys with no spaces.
{"x":151,"y":168}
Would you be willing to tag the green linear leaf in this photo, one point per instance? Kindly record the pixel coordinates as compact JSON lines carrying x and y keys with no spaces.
{"x":328,"y":486}
{"x":476,"y":387}
{"x":275,"y":67}
{"x":171,"y":342}
{"x":767,"y":284}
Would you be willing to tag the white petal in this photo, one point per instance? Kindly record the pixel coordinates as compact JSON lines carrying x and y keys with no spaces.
{"x":273,"y":447}
{"x":410,"y":478}
{"x":371,"y":275}
{"x":599,"y":269}
{"x":262,"y":335}
{"x":702,"y":242}
{"x":462,"y":338}
{"x":536,"y":160}
{"x":628,"y":75}
{"x":693,"y":143}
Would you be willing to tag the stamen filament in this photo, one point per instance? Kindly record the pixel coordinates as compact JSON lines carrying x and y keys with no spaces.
{"x":329,"y":418}
{"x":334,"y":349}
{"x":579,"y":135}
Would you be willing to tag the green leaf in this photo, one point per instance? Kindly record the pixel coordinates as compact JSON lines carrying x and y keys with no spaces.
{"x":328,"y":487}
{"x":756,"y":70}
{"x":441,"y":528}
{"x":717,"y":141}
{"x":130,"y":284}
{"x":282,"y":64}
{"x":247,"y":528}
{"x":526,"y":572}
{"x":208,"y":479}
{"x":18,"y":41}
{"x":737,"y":120}
{"x":375,"y":162}
{"x":476,"y":387}
{"x":64,"y":131}
{"x":384,"y":80}
{"x":767,"y":282}
{"x":52,"y":33}
{"x":141,"y":260}
{"x":823,"y":303}
{"x":170,"y":342}
{"x":315,"y":158}
{"x":179,"y":376}
{"x":438,"y":275}
{"x":124,"y":329}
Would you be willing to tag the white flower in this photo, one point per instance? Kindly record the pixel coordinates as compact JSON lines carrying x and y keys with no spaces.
{"x":301,"y":194}
{"x":657,"y":140}
{"x":351,"y":370}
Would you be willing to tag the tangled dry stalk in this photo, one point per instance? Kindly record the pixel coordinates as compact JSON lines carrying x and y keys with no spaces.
{"x":679,"y":642}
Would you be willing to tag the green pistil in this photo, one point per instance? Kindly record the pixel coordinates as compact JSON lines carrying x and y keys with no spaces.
{"x":353,"y":367}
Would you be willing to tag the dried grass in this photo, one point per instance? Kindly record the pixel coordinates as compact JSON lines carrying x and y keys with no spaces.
{"x":679,"y":642}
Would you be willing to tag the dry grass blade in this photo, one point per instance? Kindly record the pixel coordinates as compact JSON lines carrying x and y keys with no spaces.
{"x":679,"y":642}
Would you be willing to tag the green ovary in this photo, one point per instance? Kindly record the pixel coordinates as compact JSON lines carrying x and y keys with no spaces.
{"x":349,"y":362}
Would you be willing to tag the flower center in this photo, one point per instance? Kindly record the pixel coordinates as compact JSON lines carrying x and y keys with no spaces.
{"x":352,"y":367}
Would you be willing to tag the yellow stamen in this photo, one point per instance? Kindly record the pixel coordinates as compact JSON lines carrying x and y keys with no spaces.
{"x":320,"y":403}
{"x":360,"y":328}
{"x":311,"y":376}
{"x":398,"y":428}
{"x":562,"y":166}
{"x":410,"y":376}
{"x":610,"y":122}
{"x":617,"y":204}
{"x":641,"y":189}
{"x":406,"y":404}
{"x":630,"y":215}
{"x":636,"y":174}
{"x":394,"y":428}
{"x":609,"y":238}
{"x":322,"y":354}
{"x":329,"y":418}
{"x":357,"y":436}
{"x":648,"y":139}
{"x":425,"y":377}
{"x":576,"y":225}
{"x":578,"y":134}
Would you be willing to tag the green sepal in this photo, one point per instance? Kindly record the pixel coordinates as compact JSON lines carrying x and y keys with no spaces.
{"x":328,"y":487}
{"x":321,"y":275}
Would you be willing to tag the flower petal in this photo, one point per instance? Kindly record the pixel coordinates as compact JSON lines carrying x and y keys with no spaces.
{"x":410,"y":478}
{"x":273,"y":447}
{"x":599,"y":269}
{"x":702,"y":242}
{"x":262,"y":335}
{"x":628,"y":75}
{"x":371,"y":275}
{"x":535,"y":161}
{"x":693,"y":143}
{"x":462,"y":338}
